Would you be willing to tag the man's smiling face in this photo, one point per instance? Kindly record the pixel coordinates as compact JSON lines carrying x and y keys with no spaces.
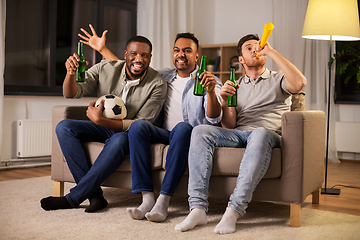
{"x":185,"y":55}
{"x":137,"y":56}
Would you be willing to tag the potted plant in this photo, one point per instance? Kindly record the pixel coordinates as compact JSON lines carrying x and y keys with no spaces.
{"x":210,"y":64}
{"x":348,"y":61}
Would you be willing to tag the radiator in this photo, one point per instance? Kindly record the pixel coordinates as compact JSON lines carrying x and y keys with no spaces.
{"x":347,"y":136}
{"x":33,"y":138}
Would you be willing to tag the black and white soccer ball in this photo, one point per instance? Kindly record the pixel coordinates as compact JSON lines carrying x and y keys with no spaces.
{"x":114,"y":107}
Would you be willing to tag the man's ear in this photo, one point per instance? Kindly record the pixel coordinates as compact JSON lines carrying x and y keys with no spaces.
{"x":197,"y":57}
{"x":241,"y":59}
{"x":125,"y":54}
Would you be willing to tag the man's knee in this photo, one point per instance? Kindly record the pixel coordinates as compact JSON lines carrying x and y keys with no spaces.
{"x":119,"y":139}
{"x":262,"y":132}
{"x":263,"y":135}
{"x":201,"y":130}
{"x":63,"y":126}
{"x":182,"y":128}
{"x":138,"y":126}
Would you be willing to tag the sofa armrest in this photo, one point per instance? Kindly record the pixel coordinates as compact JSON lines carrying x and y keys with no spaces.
{"x":303,"y":154}
{"x":58,"y":166}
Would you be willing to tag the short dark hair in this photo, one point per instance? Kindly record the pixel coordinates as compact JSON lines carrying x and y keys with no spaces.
{"x":139,"y":39}
{"x":244,"y":39}
{"x":188,"y":36}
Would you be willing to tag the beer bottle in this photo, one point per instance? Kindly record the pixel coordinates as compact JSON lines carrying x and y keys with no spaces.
{"x":80,"y":71}
{"x":198,"y":88}
{"x":232,"y":100}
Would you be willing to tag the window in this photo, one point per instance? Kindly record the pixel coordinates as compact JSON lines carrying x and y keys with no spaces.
{"x":42,"y":34}
{"x":347,"y":93}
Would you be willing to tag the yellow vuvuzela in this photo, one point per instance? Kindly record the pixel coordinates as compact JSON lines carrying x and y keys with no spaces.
{"x":266,"y":34}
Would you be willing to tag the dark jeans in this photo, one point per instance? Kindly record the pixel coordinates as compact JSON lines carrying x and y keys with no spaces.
{"x":71,"y":135}
{"x":141,"y":135}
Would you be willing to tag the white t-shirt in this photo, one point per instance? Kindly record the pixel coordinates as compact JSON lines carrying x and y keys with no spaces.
{"x":172,"y":106}
{"x":129,"y":84}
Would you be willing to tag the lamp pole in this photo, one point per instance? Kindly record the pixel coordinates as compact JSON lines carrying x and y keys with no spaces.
{"x":326,"y":190}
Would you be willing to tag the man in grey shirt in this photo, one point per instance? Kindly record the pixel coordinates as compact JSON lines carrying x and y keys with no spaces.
{"x":263,"y":96}
{"x":143,"y":91}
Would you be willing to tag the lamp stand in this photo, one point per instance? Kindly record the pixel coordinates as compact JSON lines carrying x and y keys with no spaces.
{"x":326,"y":190}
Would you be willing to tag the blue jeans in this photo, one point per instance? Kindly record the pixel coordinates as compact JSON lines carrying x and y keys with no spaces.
{"x":141,"y":135}
{"x":256,"y":160}
{"x":71,"y":135}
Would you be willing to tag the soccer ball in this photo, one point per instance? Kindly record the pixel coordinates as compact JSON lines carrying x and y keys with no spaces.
{"x":114,"y":107}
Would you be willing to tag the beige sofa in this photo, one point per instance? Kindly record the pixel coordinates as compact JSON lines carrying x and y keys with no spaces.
{"x":296,"y":170}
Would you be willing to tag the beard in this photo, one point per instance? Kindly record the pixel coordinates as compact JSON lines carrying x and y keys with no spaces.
{"x":135,"y":75}
{"x":183,"y":65}
{"x":254,"y":64}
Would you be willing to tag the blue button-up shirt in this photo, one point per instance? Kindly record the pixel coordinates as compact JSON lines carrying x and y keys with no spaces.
{"x":193,"y":107}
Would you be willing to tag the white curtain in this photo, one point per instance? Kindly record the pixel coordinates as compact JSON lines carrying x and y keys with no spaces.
{"x":2,"y":62}
{"x":310,"y":56}
{"x":160,"y":21}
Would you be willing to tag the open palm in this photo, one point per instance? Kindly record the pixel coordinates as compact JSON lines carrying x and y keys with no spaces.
{"x":94,"y":41}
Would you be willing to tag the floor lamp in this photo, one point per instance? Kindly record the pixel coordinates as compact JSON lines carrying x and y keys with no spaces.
{"x":331,"y":20}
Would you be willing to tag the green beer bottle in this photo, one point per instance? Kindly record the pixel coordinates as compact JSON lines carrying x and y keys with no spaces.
{"x":80,"y":71}
{"x":232,"y":101}
{"x":198,"y":88}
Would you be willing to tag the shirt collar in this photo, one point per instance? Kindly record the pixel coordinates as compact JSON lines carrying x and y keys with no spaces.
{"x":264,"y":75}
{"x":192,"y":74}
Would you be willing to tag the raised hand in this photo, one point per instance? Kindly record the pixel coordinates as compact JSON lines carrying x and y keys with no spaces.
{"x":228,"y":90}
{"x":262,"y":51}
{"x":94,"y":41}
{"x":208,"y":80}
{"x":72,"y":63}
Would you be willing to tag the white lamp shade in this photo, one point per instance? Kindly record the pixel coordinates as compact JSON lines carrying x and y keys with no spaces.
{"x":336,"y":18}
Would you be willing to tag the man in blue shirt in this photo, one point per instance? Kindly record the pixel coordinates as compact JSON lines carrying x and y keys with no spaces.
{"x":182,"y":111}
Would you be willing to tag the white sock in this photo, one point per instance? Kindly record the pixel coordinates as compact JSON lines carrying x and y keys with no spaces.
{"x":148,"y":201}
{"x":228,"y":222}
{"x":160,"y":211}
{"x":196,"y":217}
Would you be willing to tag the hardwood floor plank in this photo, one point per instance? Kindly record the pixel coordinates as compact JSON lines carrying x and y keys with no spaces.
{"x":23,"y":173}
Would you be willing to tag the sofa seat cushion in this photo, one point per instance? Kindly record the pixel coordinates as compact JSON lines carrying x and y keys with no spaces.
{"x":227,"y":162}
{"x":93,"y":149}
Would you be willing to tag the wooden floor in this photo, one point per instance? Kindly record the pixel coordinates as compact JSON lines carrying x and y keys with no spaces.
{"x":344,"y":173}
{"x":23,"y":173}
{"x":348,"y":201}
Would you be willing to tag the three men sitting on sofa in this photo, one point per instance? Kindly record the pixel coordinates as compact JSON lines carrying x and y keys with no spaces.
{"x":263,"y":97}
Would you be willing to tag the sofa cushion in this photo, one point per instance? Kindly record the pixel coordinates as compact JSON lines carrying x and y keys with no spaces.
{"x":93,"y":149}
{"x":227,"y":162}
